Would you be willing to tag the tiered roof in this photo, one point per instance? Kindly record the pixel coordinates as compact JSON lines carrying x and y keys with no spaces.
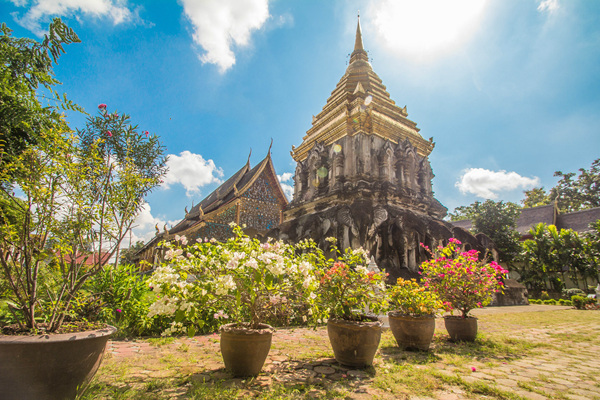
{"x":359,"y":88}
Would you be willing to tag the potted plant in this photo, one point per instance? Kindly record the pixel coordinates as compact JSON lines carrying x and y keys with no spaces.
{"x":69,"y":200}
{"x":243,"y":282}
{"x":347,"y":289}
{"x":412,"y":319}
{"x":463,"y":282}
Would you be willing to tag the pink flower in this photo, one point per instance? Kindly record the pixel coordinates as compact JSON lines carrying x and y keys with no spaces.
{"x":146,"y":133}
{"x":102,"y":106}
{"x":109,"y":133}
{"x":473,"y":369}
{"x":119,"y":310}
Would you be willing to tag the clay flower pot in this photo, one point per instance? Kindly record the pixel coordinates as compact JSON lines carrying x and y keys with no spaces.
{"x":354,"y":343}
{"x":245,"y":350}
{"x":461,"y":329}
{"x":50,"y":366}
{"x":411,"y":332}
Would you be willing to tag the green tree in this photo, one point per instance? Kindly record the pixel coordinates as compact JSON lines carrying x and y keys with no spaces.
{"x":550,"y":256}
{"x":128,"y":254}
{"x":572,"y":192}
{"x":82,"y":194}
{"x":28,"y":101}
{"x":498,"y":220}
{"x":536,"y":197}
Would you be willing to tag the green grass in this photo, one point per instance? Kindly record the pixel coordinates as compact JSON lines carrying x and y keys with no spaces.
{"x":176,"y":369}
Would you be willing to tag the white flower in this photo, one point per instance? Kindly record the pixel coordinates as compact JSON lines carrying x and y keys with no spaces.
{"x":252,"y":263}
{"x":362,"y":269}
{"x":305,"y":267}
{"x":307,"y":282}
{"x":172,"y":254}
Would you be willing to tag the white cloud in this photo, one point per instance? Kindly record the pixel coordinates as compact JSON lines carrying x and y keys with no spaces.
{"x":485,"y":183}
{"x":220,"y":25}
{"x":41,"y":10}
{"x":192,"y":171}
{"x":424,"y":27}
{"x":548,"y":5}
{"x":144,"y":227}
{"x":288,"y":189}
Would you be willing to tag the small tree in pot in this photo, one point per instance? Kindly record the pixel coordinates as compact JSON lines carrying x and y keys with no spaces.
{"x":72,"y":199}
{"x":242,"y":282}
{"x":412,"y":319}
{"x":463,"y":282}
{"x":347,"y":289}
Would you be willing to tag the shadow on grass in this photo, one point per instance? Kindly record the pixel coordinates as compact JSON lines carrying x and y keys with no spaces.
{"x":293,"y":379}
{"x":483,"y":349}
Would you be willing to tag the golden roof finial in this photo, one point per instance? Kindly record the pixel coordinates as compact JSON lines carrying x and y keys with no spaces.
{"x":358,"y":44}
{"x":359,"y":52}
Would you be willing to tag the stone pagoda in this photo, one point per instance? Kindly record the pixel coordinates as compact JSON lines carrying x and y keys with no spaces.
{"x":363,"y":176}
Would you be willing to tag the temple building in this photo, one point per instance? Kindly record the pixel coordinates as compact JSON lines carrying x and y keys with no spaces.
{"x":363,"y":176}
{"x":252,"y":197}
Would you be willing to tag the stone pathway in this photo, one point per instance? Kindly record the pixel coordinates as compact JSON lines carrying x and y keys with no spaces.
{"x":559,"y":372}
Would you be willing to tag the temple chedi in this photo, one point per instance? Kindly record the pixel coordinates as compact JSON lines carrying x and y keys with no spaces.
{"x":363,"y":176}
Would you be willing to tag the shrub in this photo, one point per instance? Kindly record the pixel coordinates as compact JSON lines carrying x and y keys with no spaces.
{"x":580,"y":302}
{"x":410,"y":298}
{"x":544,"y":295}
{"x":121,"y":296}
{"x":549,"y":302}
{"x":568,"y":303}
{"x":568,"y":293}
{"x":461,"y":280}
{"x":535,"y":301}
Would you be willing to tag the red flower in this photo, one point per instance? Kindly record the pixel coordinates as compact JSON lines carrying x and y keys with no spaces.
{"x":109,"y":133}
{"x":102,"y":106}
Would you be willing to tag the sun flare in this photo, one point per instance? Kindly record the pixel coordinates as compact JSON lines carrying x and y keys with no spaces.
{"x":425,"y":27}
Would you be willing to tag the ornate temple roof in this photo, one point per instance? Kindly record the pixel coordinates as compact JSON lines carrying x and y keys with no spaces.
{"x":360,"y":94}
{"x":231,"y":189}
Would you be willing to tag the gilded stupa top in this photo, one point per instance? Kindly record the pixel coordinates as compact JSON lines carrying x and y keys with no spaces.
{"x":360,"y":95}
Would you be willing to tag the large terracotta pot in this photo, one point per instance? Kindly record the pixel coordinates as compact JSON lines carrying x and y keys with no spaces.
{"x":412,"y":333}
{"x":354,"y":343}
{"x":245,"y":350}
{"x":50,"y":366}
{"x":461,"y":329}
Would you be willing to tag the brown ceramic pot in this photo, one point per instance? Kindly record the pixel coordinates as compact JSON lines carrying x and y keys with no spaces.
{"x":354,"y":343}
{"x":245,"y":350}
{"x":50,"y":366}
{"x":461,"y":329}
{"x":412,"y":333}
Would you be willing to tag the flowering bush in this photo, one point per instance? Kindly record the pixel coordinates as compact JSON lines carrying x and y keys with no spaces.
{"x":347,"y":289}
{"x":240,"y":281}
{"x":460,"y":279}
{"x":410,"y":298}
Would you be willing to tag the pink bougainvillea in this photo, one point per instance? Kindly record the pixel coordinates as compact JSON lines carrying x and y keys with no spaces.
{"x":461,"y":280}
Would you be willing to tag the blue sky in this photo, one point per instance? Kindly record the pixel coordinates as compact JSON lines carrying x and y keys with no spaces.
{"x":508,"y":89}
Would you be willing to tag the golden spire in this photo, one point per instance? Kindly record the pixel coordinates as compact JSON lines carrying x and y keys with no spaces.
{"x":358,"y":44}
{"x":359,"y":52}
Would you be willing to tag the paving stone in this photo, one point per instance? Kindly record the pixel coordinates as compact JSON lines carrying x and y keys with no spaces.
{"x":531,"y":395}
{"x":511,"y":383}
{"x":586,"y":393}
{"x":324,"y":370}
{"x":356,"y":373}
{"x":575,"y":396}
